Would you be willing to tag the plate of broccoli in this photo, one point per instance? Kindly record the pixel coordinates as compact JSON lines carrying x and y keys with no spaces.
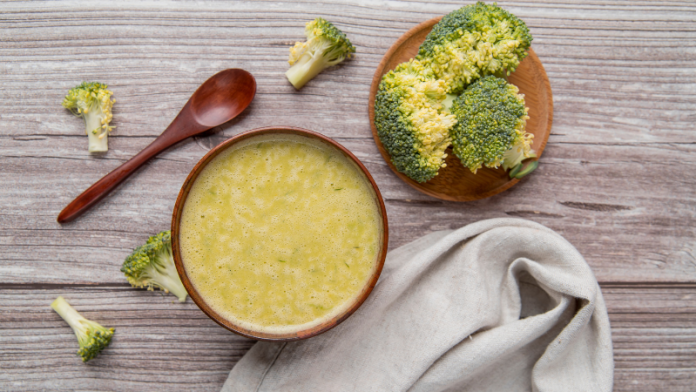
{"x":460,"y":106}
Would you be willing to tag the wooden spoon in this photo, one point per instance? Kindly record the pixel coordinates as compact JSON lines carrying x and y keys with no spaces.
{"x":218,"y":100}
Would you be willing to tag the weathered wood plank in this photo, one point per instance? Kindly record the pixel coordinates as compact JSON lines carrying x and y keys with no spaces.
{"x":630,"y":228}
{"x":653,"y":335}
{"x":616,"y":178}
{"x":159,"y":344}
{"x":600,"y":81}
{"x":163,"y":344}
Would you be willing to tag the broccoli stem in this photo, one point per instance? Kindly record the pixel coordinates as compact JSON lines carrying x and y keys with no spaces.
{"x":167,"y":278}
{"x":76,"y":321}
{"x":530,"y":168}
{"x":513,"y":172}
{"x":305,"y":69}
{"x":98,"y":137}
{"x":170,"y":283}
{"x":449,"y":100}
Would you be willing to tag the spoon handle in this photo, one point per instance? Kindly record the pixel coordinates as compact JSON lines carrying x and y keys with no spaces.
{"x":110,"y":181}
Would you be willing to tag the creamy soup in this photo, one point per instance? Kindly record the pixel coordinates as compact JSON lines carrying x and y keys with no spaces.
{"x":280,"y":233}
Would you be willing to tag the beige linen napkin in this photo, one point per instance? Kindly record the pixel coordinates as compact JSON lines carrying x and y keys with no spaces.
{"x":498,"y":305}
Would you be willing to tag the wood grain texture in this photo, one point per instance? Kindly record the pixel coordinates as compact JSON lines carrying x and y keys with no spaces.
{"x":161,"y":344}
{"x":218,"y":100}
{"x":456,"y":182}
{"x":616,"y":178}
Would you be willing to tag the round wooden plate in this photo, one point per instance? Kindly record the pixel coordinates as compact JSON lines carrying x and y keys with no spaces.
{"x":456,"y":182}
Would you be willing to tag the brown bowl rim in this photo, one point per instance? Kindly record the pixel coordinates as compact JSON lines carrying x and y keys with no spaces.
{"x":374,"y":86}
{"x":176,"y":219}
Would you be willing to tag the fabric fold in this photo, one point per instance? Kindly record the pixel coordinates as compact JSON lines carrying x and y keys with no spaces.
{"x":498,"y":305}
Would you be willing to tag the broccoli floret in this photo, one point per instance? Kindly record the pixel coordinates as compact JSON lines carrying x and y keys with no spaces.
{"x":92,"y":337}
{"x":474,"y":41}
{"x":414,"y":116}
{"x":92,"y":101}
{"x":325,"y":46}
{"x":412,"y":122}
{"x":152,"y":265}
{"x":490,"y":129}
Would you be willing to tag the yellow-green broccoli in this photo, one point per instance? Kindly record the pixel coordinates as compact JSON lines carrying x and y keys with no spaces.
{"x":152,"y":265}
{"x":474,"y":41}
{"x":325,"y":46}
{"x":412,"y":122}
{"x":92,"y":101}
{"x":92,"y":337}
{"x":413,"y":117}
{"x":490,"y":130}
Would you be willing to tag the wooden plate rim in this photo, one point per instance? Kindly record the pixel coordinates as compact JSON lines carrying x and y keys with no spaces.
{"x":380,"y":71}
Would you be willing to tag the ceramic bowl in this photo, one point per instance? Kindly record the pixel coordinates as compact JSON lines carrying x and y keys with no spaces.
{"x":201,"y":302}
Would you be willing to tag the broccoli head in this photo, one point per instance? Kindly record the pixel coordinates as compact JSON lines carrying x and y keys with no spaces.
{"x":92,"y":337}
{"x":325,"y":46}
{"x":490,"y":129}
{"x":411,"y":121}
{"x":92,"y":101}
{"x":152,"y":265}
{"x":474,"y":41}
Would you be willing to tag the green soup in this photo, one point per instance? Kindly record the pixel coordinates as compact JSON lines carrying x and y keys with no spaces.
{"x":280,"y":233}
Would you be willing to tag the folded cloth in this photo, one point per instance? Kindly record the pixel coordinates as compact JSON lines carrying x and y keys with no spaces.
{"x":498,"y":305}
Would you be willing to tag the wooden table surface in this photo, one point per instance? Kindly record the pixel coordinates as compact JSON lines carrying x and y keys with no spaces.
{"x":616,"y":178}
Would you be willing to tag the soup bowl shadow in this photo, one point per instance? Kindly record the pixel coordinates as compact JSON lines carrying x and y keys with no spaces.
{"x":261,"y":335}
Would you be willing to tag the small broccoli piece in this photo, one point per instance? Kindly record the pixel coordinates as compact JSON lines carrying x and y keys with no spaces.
{"x":152,"y":265}
{"x":325,"y":46}
{"x":92,"y":101}
{"x":519,"y":172}
{"x":490,"y":129}
{"x":472,"y":42}
{"x":92,"y":337}
{"x":412,"y":122}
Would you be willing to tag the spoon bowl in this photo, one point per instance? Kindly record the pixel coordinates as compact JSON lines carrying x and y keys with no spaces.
{"x":222,"y":97}
{"x":218,"y":100}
